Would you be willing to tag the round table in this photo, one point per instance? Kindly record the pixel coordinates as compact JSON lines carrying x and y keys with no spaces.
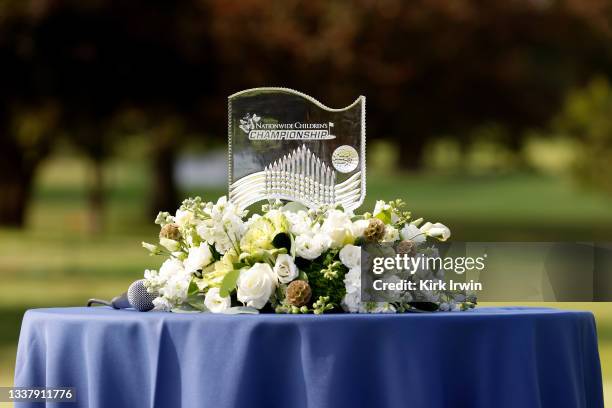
{"x":488,"y":357}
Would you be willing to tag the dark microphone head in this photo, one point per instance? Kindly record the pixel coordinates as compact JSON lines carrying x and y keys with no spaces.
{"x":139,"y":298}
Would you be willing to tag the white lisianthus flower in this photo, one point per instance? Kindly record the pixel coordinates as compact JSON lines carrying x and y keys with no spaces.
{"x":184,"y":217}
{"x":391,"y":234}
{"x":383,"y":207}
{"x":170,"y":244}
{"x":358,"y":227}
{"x":256,"y":285}
{"x":311,"y":246}
{"x":198,"y":258}
{"x":215,"y":302}
{"x":437,"y":230}
{"x":350,"y":256}
{"x":285,"y":268}
{"x":380,"y":206}
{"x":338,"y":227}
{"x":411,"y":232}
{"x":174,"y":282}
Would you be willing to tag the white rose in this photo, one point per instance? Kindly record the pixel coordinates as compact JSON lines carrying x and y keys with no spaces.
{"x":183,"y":217}
{"x":256,"y":285}
{"x":437,"y":230}
{"x":311,"y":246}
{"x":337,"y":226}
{"x":350,"y":256}
{"x":170,"y":244}
{"x":215,"y":302}
{"x":198,"y":258}
{"x":358,"y":227}
{"x":285,"y":268}
{"x":411,"y":232}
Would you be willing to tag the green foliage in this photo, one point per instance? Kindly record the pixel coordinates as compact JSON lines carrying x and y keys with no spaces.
{"x":324,"y":284}
{"x":587,"y":117}
{"x":229,"y":282}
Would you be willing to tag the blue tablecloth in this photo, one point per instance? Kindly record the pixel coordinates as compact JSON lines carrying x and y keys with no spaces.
{"x":490,"y":357}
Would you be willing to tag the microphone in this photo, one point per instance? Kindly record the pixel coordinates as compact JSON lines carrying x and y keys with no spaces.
{"x":118,"y":302}
{"x":139,"y":298}
{"x":136,"y":297}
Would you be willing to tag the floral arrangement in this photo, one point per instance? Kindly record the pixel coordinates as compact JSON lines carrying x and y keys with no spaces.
{"x":288,"y":259}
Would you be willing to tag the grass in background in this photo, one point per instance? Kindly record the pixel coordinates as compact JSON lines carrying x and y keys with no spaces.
{"x":56,"y":262}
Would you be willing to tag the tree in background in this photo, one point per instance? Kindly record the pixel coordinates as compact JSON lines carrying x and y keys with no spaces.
{"x":26,"y":138}
{"x":587,"y":117}
{"x":427,"y":68}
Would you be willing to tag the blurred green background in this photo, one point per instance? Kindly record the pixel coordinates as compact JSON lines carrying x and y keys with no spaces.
{"x":494,"y":118}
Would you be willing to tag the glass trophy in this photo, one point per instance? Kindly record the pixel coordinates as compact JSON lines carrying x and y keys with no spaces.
{"x":286,"y":145}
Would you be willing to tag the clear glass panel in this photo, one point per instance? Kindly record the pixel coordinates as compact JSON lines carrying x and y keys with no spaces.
{"x":284,"y":144}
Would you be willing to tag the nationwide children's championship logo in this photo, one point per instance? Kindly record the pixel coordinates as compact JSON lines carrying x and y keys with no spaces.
{"x":257,"y":129}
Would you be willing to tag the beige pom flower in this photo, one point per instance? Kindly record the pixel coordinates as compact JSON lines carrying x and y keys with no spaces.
{"x":298,"y":293}
{"x":170,"y":231}
{"x":407,"y":247}
{"x":375,"y":231}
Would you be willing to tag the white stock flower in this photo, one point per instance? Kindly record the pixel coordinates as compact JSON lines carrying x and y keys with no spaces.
{"x":352,"y":283}
{"x":285,"y":268}
{"x":437,"y":230}
{"x":338,"y":227}
{"x":184,"y":217}
{"x":311,"y":246}
{"x":162,"y":304}
{"x":215,"y":302}
{"x":152,"y":279}
{"x":351,"y":302}
{"x":225,"y":227}
{"x":256,"y":285}
{"x":411,"y":232}
{"x":171,"y":267}
{"x":350,"y":256}
{"x":198,"y":258}
{"x":174,"y":290}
